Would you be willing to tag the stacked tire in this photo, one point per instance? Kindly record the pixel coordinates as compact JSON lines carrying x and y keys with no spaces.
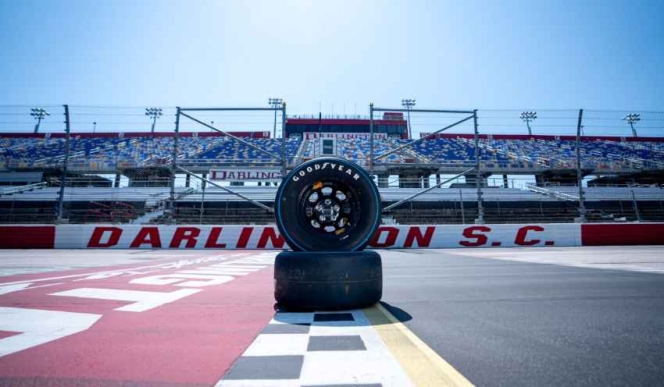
{"x":327,"y":210}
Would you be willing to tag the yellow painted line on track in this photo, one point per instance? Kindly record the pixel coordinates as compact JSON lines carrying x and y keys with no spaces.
{"x":422,"y":364}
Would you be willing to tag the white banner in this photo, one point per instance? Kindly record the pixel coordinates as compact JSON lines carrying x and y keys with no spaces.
{"x":314,"y":135}
{"x":271,"y":175}
{"x":267,"y":237}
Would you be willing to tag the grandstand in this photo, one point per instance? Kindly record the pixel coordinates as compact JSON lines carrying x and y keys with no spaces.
{"x":105,"y":153}
{"x":624,"y":175}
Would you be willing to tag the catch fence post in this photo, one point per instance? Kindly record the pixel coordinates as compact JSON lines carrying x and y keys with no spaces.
{"x":579,"y":172}
{"x":171,"y":202}
{"x":478,"y":177}
{"x":284,"y":162}
{"x":371,"y":140}
{"x":65,"y":162}
{"x":636,"y":207}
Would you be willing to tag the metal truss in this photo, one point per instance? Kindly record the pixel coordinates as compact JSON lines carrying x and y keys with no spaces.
{"x":174,"y":167}
{"x":472,"y":114}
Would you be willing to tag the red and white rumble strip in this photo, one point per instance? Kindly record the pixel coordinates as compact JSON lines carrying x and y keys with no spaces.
{"x":267,"y":237}
{"x":174,"y":322}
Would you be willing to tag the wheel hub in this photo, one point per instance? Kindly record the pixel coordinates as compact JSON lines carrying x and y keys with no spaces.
{"x":328,"y":208}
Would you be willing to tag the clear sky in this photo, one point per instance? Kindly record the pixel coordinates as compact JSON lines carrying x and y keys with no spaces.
{"x":339,"y":55}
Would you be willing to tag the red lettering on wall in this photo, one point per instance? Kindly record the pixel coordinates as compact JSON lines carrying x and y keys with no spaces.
{"x":523,"y":232}
{"x":213,"y":239}
{"x":147,"y":235}
{"x":480,"y":239}
{"x":185,"y":233}
{"x":390,"y":239}
{"x":98,"y":234}
{"x":422,"y":240}
{"x":269,"y":233}
{"x":244,"y":237}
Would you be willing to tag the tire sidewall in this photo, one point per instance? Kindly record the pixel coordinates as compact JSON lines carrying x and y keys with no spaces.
{"x":366,"y":184}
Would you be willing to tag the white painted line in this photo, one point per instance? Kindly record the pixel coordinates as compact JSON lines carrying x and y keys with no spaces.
{"x":143,"y":300}
{"x":18,"y":287}
{"x":38,"y":327}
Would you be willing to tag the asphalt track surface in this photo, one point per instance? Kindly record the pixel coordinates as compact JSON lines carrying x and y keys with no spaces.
{"x":500,"y":317}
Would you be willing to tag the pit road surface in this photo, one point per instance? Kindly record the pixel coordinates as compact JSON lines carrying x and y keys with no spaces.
{"x":501,"y":317}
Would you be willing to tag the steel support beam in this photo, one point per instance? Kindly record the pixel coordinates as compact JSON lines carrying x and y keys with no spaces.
{"x":230,"y":135}
{"x":636,"y":207}
{"x":479,"y":178}
{"x":228,"y":109}
{"x":284,"y":162}
{"x":413,"y":196}
{"x":420,"y":139}
{"x":377,"y":109}
{"x":579,"y":171}
{"x":174,"y":161}
{"x":371,"y":139}
{"x":65,"y":162}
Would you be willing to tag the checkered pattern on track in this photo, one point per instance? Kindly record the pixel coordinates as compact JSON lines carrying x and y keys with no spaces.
{"x":317,"y":349}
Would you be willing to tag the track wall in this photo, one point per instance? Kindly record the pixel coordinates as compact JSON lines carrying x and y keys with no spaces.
{"x":267,"y":237}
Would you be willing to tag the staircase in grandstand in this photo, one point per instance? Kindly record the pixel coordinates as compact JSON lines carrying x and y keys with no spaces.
{"x":553,"y":194}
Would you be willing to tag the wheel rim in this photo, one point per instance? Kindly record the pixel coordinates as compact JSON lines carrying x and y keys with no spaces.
{"x":330,"y":207}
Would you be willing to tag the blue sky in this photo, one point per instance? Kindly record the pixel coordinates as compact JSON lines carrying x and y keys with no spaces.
{"x":339,"y":55}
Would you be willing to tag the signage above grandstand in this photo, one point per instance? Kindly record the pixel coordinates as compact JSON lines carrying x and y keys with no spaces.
{"x":349,"y":136}
{"x":265,"y":175}
{"x":393,"y":116}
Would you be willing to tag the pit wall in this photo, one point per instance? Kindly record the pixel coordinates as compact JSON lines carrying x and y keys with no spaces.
{"x":267,"y":237}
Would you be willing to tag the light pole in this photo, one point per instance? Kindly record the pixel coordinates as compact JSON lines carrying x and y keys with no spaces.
{"x":632,"y":118}
{"x":275,"y":103}
{"x":408,"y":104}
{"x":94,"y":126}
{"x":153,"y":113}
{"x":38,"y":114}
{"x":527,"y":117}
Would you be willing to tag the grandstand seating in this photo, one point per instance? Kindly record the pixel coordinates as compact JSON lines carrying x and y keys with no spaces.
{"x":228,"y":149}
{"x":103,"y":153}
{"x":109,"y":153}
{"x":546,"y":153}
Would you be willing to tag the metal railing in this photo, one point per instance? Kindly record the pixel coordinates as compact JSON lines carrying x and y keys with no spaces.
{"x":21,"y":188}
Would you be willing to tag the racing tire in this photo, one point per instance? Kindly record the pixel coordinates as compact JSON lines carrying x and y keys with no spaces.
{"x":327,"y":204}
{"x":327,"y":280}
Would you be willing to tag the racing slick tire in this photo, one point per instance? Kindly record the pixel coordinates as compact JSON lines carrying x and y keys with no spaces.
{"x":327,"y":280}
{"x":327,"y":204}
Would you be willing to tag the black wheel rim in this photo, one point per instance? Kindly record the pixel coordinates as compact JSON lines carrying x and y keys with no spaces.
{"x":330,"y":207}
